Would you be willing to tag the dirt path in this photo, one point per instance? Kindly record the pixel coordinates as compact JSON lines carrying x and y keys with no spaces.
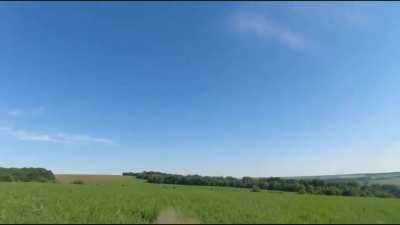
{"x":171,"y":216}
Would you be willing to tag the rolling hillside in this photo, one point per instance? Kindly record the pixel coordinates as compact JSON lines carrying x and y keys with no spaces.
{"x":367,"y":178}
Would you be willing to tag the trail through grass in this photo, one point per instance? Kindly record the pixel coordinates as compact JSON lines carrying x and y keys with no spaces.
{"x":172,"y":216}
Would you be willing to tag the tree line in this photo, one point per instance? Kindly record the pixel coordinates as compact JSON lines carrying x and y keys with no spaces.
{"x":26,"y":175}
{"x":315,"y":186}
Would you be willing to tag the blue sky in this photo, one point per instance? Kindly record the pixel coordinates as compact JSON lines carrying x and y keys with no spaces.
{"x":241,"y":89}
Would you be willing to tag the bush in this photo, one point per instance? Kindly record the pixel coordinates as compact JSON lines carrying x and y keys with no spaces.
{"x":6,"y":177}
{"x":301,"y":189}
{"x":255,"y":188}
{"x":79,"y":182}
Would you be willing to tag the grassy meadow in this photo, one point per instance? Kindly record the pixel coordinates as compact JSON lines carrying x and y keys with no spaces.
{"x":126,"y":200}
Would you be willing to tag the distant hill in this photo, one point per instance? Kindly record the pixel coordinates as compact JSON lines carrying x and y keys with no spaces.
{"x":366,"y":178}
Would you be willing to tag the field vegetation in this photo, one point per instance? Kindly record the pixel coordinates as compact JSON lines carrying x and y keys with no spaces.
{"x":128,"y":200}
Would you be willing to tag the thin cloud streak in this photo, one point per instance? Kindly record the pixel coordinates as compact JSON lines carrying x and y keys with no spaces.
{"x":260,"y":25}
{"x":24,"y":112}
{"x":55,"y":138}
{"x":355,"y":14}
{"x":15,"y":112}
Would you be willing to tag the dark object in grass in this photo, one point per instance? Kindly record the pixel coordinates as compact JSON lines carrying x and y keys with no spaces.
{"x":80,"y":182}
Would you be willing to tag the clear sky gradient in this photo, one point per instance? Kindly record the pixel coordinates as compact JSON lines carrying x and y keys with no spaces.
{"x":241,"y":89}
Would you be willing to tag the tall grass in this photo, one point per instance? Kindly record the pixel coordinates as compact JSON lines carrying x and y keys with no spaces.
{"x":138,"y":202}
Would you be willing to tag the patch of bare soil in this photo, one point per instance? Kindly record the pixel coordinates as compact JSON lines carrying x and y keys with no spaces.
{"x":171,"y":216}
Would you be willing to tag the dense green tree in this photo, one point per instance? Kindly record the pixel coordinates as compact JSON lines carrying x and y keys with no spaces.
{"x":26,"y":175}
{"x":302,"y":189}
{"x":310,"y":189}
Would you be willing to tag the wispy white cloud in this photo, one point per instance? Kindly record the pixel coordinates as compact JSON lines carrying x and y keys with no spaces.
{"x":296,"y":25}
{"x":15,"y":112}
{"x":55,"y":138}
{"x":351,"y":14}
{"x":22,"y":112}
{"x":259,"y":24}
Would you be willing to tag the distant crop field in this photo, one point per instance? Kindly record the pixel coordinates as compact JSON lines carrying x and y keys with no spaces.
{"x":391,"y":181}
{"x":91,"y":179}
{"x":126,"y":200}
{"x":371,"y":178}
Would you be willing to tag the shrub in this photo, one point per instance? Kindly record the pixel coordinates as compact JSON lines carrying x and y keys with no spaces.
{"x":80,"y":182}
{"x":255,"y":188}
{"x":302,"y":189}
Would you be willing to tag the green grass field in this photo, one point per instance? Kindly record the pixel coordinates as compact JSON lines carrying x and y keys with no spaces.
{"x":133,"y":201}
